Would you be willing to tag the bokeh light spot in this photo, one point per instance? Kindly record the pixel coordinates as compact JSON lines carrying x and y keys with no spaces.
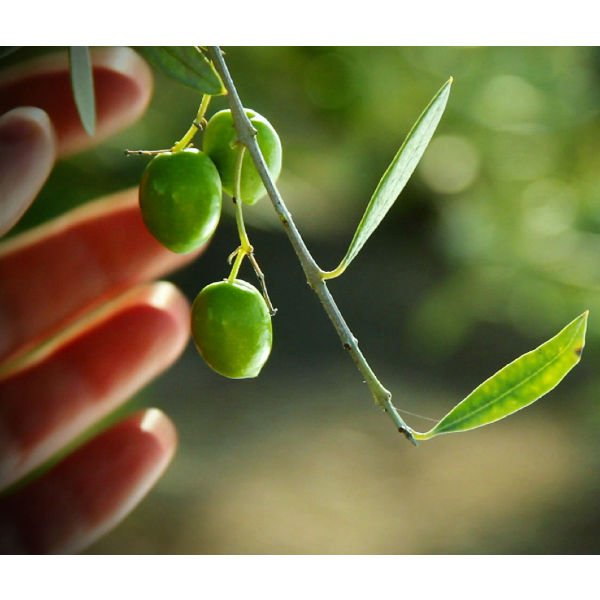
{"x":548,"y":206}
{"x":508,"y":100}
{"x":450,"y":164}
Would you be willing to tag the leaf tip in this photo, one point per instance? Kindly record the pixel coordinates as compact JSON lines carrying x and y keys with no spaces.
{"x":583,"y":317}
{"x":90,"y":125}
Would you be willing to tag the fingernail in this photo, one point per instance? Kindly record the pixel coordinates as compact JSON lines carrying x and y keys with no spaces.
{"x":27,"y":153}
{"x":155,"y":422}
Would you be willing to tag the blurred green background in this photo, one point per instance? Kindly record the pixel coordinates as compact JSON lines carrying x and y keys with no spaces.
{"x":492,"y":248}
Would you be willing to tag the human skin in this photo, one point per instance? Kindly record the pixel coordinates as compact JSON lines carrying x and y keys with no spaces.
{"x":83,"y":324}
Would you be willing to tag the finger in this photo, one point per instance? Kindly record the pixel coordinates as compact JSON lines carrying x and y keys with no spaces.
{"x":27,"y":153}
{"x":56,"y":392}
{"x":90,"y":491}
{"x":122,"y":82}
{"x":55,"y":271}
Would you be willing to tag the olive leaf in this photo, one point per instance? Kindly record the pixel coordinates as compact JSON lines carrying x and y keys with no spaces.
{"x":82,"y":84}
{"x":397,"y":174}
{"x":518,"y":384}
{"x":187,"y":65}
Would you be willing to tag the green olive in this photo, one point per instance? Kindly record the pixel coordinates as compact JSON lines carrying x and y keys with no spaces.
{"x":219,"y":143}
{"x":180,"y":198}
{"x":231,"y":327}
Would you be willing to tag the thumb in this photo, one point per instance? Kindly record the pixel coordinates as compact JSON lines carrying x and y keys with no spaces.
{"x":27,"y":154}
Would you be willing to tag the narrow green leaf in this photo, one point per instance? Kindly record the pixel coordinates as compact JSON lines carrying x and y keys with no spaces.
{"x":398,"y":173}
{"x":6,"y":50}
{"x":518,"y":384}
{"x":82,"y":84}
{"x":187,"y":65}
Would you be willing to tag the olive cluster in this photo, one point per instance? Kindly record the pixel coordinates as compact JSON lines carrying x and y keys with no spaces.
{"x":180,"y":199}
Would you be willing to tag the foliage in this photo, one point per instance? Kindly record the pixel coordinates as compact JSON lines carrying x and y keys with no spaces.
{"x":82,"y":83}
{"x":186,"y":65}
{"x":518,"y":384}
{"x":514,"y":387}
{"x":397,"y":174}
{"x":504,"y":218}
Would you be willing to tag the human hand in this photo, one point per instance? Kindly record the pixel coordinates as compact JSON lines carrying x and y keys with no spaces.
{"x":81,"y":325}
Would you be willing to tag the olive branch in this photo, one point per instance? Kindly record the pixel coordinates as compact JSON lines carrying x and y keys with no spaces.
{"x":314,"y":274}
{"x":513,"y":387}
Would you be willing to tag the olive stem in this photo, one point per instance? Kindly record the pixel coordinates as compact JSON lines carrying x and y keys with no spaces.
{"x":196,"y":125}
{"x":245,"y":246}
{"x":239,"y":257}
{"x":263,"y":283}
{"x":239,"y":217}
{"x":314,"y":275}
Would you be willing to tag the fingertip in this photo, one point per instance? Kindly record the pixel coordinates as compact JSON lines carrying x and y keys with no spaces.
{"x":156,"y":423}
{"x":52,"y":393}
{"x":86,"y":245}
{"x":149,"y":444}
{"x":88,"y":493}
{"x":166,"y":297}
{"x":27,"y":155}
